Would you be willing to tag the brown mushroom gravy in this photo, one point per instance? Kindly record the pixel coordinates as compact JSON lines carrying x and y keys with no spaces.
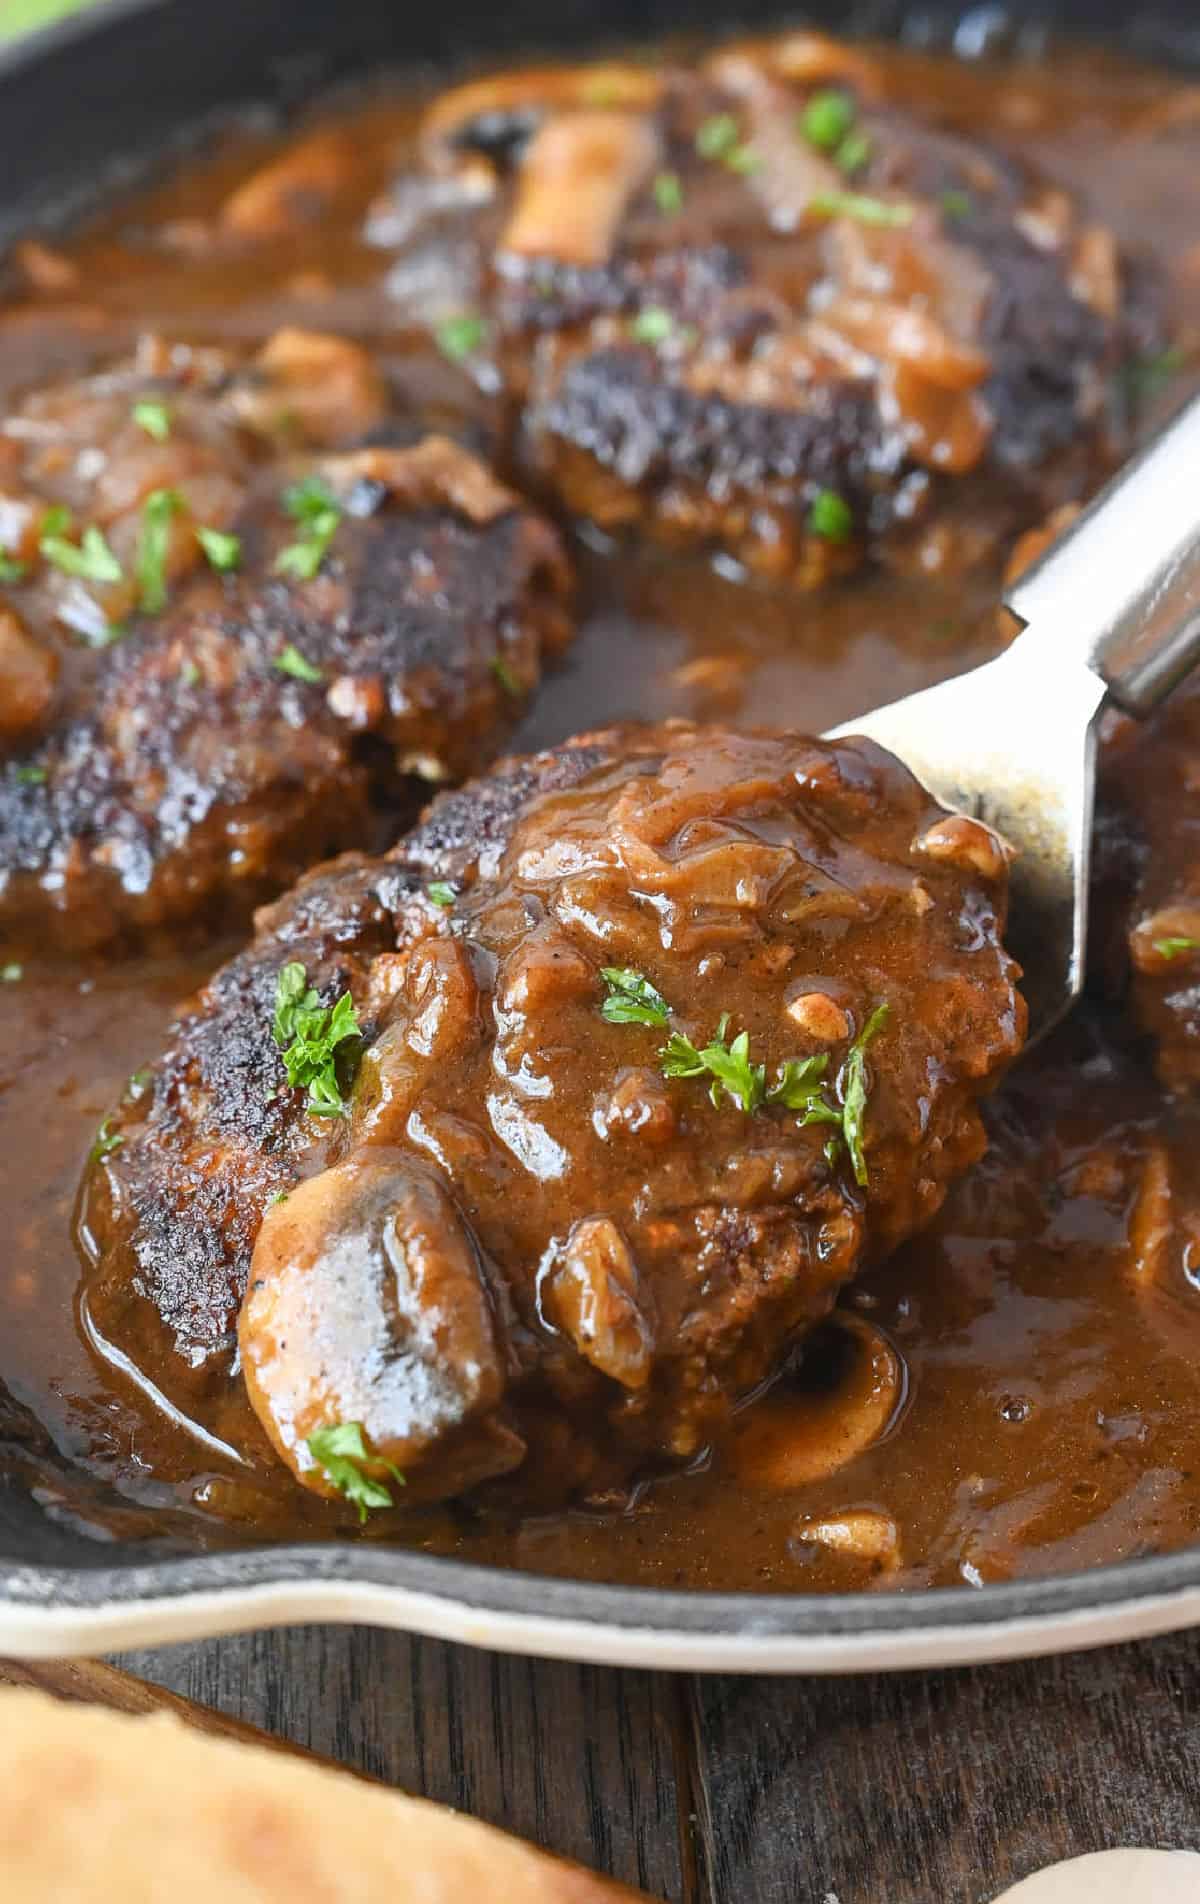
{"x":1014,"y":1390}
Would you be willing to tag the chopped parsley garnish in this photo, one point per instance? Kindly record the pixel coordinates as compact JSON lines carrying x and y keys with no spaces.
{"x":56,"y":520}
{"x":744,"y":158}
{"x":1176,"y":946}
{"x":90,"y":560}
{"x":1145,"y":377}
{"x":632,"y":1000}
{"x":311,"y":504}
{"x":12,"y":570}
{"x":504,"y":674}
{"x":827,"y":119}
{"x":189,"y":674}
{"x":223,"y":551}
{"x":139,"y":1083}
{"x":728,"y":1065}
{"x":652,"y":326}
{"x":339,"y":1451}
{"x":868,"y":211}
{"x":440,"y":893}
{"x":853,"y":1086}
{"x":276,"y":1196}
{"x":31,"y":776}
{"x":290,"y":661}
{"x":308,"y":1036}
{"x":154,"y":418}
{"x":717,"y":136}
{"x":831,"y":517}
{"x":12,"y":973}
{"x":668,"y":192}
{"x":153,"y":545}
{"x":799,"y":1086}
{"x":957,"y":204}
{"x":105,"y":1142}
{"x":853,"y":152}
{"x":460,"y":337}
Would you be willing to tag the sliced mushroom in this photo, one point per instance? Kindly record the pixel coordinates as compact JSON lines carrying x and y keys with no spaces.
{"x":589,"y":1291}
{"x":296,"y":189}
{"x":861,"y":1535}
{"x":325,"y":389}
{"x":798,"y":1434}
{"x":523,"y":100}
{"x":367,"y":1304}
{"x":28,"y":673}
{"x":579,"y":174}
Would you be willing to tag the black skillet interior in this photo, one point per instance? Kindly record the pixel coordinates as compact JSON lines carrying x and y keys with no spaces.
{"x":87,"y":105}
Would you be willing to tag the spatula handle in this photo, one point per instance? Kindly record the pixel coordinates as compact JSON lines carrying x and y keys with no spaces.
{"x":1123,"y":582}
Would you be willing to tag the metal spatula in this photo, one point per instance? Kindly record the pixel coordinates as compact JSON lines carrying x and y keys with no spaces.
{"x":1111,"y":613}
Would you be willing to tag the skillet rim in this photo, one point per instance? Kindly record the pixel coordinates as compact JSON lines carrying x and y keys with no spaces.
{"x":48,"y":1608}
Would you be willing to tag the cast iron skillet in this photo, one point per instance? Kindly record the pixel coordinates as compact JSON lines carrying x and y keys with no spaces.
{"x":78,"y":104}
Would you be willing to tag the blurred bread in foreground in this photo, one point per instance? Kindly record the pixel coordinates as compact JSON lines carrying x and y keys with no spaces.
{"x":96,"y":1806}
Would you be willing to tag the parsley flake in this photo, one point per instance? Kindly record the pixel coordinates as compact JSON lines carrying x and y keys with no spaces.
{"x":440,"y":893}
{"x":153,"y":547}
{"x":105,"y":1143}
{"x":668,"y":193}
{"x":460,"y":337}
{"x":504,"y":674}
{"x":31,"y":776}
{"x":854,"y":151}
{"x":827,"y":118}
{"x":12,"y":570}
{"x":290,"y":661}
{"x":154,"y":418}
{"x":90,"y":560}
{"x":340,"y":1452}
{"x":728,"y":1065}
{"x":1176,"y":946}
{"x":717,"y":136}
{"x":652,"y":326}
{"x":831,"y":517}
{"x":313,"y":505}
{"x":224,"y":552}
{"x":857,"y":205}
{"x":854,"y":1085}
{"x":632,"y":1000}
{"x":308,"y":1036}
{"x":957,"y":204}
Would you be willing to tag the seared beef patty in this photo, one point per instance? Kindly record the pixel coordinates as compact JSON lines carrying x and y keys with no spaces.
{"x":655,"y":1040}
{"x":275,"y":635}
{"x":754,"y":305}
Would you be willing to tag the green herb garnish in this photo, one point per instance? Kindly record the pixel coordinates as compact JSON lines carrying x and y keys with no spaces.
{"x":105,"y":1142}
{"x":153,"y":546}
{"x":11,"y":570}
{"x":90,"y":560}
{"x":668,"y":192}
{"x":460,"y":337}
{"x":154,"y":418}
{"x":290,"y":661}
{"x":652,"y":326}
{"x":717,"y":136}
{"x":339,"y":1452}
{"x":313,"y":505}
{"x":853,"y":152}
{"x":957,"y":204}
{"x":1175,"y":947}
{"x":223,"y":551}
{"x":56,"y":521}
{"x":504,"y":674}
{"x":308,"y":1035}
{"x":827,"y":119}
{"x":853,"y":1087}
{"x":440,"y":893}
{"x":831,"y":517}
{"x":868,"y":211}
{"x":728,"y":1065}
{"x":632,"y":1000}
{"x":31,"y":776}
{"x":744,"y":159}
{"x":139,"y":1083}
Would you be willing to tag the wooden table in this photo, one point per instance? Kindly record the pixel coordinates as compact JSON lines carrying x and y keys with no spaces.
{"x":923,"y":1788}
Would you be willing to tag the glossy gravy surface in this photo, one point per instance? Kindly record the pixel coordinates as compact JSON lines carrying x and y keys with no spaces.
{"x":1050,"y":1415}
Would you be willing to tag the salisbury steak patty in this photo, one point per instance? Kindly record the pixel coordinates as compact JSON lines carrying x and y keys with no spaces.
{"x":529,"y":1148}
{"x":379,"y":614}
{"x":758,"y":304}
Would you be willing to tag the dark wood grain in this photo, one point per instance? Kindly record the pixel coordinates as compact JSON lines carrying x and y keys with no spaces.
{"x":941,"y":1788}
{"x":576,"y":1759}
